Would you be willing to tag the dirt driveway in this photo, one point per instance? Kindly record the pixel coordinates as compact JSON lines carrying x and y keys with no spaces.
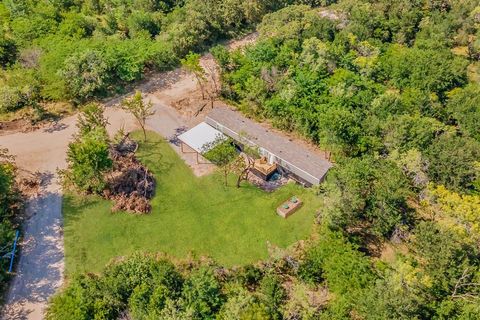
{"x":40,"y":266}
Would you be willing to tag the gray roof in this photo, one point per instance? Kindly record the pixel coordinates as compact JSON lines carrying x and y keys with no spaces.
{"x":294,"y":154}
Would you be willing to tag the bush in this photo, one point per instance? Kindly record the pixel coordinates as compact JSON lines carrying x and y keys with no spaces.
{"x":11,"y":99}
{"x":272,"y":294}
{"x":202,"y":294}
{"x":88,"y":159}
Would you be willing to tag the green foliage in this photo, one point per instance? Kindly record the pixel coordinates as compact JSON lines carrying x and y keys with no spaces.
{"x":11,"y":99}
{"x":84,"y":75}
{"x":91,"y":118}
{"x":88,"y":156}
{"x":201,"y":294}
{"x":464,"y":107}
{"x":139,"y":109}
{"x":92,"y":48}
{"x":297,"y":22}
{"x":273,"y":295}
{"x":88,"y":159}
{"x":434,"y":71}
{"x":8,"y":51}
{"x":367,"y":192}
{"x":221,"y":152}
{"x":10,"y":206}
{"x":453,"y":162}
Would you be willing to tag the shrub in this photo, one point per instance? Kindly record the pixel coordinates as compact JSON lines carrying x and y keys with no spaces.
{"x":202,"y":293}
{"x":11,"y":99}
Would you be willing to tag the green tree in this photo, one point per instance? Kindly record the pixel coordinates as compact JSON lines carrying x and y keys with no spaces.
{"x":85,"y":75}
{"x":88,"y":160}
{"x":367,"y":192}
{"x":222,"y":153}
{"x":139,"y":109}
{"x":8,"y":51}
{"x":464,"y":107}
{"x":191,"y":63}
{"x":453,"y":162}
{"x":91,"y":118}
{"x":202,"y":294}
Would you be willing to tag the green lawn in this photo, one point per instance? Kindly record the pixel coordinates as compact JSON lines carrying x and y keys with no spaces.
{"x":190,"y":215}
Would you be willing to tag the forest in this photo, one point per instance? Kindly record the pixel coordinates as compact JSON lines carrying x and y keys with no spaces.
{"x":390,"y":88}
{"x":74,"y":50}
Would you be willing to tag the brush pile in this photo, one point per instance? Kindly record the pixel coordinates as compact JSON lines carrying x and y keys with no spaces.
{"x":130,"y":184}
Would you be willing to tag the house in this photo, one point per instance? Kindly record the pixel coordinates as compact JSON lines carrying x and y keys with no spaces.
{"x":300,"y":162}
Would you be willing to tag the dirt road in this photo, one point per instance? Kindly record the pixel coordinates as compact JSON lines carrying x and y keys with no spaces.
{"x":40,"y":266}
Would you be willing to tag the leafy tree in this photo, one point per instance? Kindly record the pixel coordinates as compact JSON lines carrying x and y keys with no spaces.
{"x":202,"y":293}
{"x":222,"y":153}
{"x":367,"y":192}
{"x":464,"y":107}
{"x":412,"y":132}
{"x":453,"y":162}
{"x":434,"y":71}
{"x":11,"y":99}
{"x":88,"y":160}
{"x":191,"y":63}
{"x":85,"y":74}
{"x":8,"y":51}
{"x":91,"y":118}
{"x":139,"y":109}
{"x":346,"y":271}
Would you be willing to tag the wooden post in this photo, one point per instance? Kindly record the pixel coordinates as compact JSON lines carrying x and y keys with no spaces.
{"x":197,"y":157}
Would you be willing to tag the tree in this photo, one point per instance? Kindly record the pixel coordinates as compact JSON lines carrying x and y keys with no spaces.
{"x":139,"y":109}
{"x":367,"y":192}
{"x":453,"y":162}
{"x":202,"y":294}
{"x":11,"y":99}
{"x":222,"y":153}
{"x":245,"y":162}
{"x":8,"y":51}
{"x":464,"y":107}
{"x":85,"y":74}
{"x":191,"y":63}
{"x":88,"y":156}
{"x":91,"y":118}
{"x":88,"y":160}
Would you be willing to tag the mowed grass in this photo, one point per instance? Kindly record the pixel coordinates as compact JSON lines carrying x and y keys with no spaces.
{"x":198,"y":216}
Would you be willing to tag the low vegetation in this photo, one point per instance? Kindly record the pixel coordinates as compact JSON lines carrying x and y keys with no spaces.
{"x":10,"y":206}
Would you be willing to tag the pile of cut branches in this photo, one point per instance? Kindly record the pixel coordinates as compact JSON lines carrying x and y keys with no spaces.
{"x":130,"y":184}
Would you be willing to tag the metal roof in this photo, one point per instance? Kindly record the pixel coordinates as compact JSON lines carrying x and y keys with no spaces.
{"x":199,"y":136}
{"x":311,"y":165}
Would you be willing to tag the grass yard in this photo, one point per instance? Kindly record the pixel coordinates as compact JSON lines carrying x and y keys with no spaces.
{"x":190,"y":215}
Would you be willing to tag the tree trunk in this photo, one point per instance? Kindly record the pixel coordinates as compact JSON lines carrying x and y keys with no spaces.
{"x":226,"y":177}
{"x":144,"y":134}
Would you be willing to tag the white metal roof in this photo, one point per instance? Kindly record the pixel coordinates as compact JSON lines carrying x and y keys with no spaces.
{"x":200,"y":135}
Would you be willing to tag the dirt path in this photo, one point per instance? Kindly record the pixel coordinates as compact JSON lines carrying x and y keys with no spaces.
{"x":40,"y":268}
